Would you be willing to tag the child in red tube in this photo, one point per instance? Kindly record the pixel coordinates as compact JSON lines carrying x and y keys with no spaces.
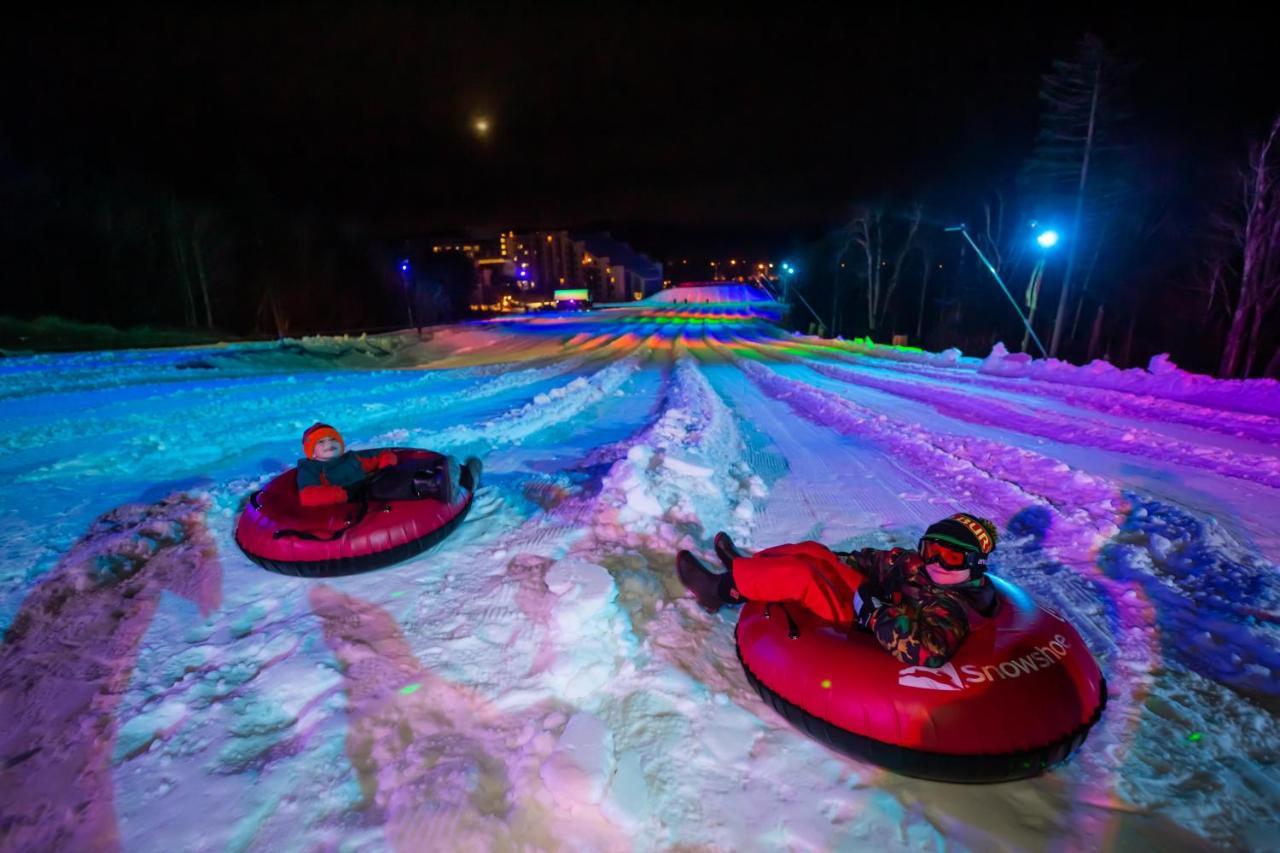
{"x":916,"y":603}
{"x":331,"y":474}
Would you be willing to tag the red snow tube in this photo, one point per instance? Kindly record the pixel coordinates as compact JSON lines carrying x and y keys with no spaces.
{"x":1019,"y":697}
{"x":278,"y":533}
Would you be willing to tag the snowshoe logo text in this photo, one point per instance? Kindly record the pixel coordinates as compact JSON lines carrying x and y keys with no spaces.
{"x":942,"y":677}
{"x":945,"y":677}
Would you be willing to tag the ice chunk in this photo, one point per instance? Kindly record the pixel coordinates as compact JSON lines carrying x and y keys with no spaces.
{"x":138,"y":733}
{"x":687,"y":468}
{"x":582,"y":762}
{"x":628,"y":802}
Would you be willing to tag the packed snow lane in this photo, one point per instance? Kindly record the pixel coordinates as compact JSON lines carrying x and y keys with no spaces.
{"x":539,"y":680}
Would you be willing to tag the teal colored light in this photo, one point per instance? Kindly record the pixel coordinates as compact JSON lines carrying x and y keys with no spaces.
{"x":1047,"y":239}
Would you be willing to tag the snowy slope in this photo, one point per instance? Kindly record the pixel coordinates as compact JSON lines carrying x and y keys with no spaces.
{"x":539,"y":680}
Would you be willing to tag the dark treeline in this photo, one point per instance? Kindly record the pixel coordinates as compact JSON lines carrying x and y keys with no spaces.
{"x":1158,"y":252}
{"x":126,"y":251}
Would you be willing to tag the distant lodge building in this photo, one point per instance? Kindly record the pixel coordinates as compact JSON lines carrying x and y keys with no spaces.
{"x":518,"y":271}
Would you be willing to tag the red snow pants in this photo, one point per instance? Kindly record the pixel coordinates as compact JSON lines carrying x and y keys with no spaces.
{"x":807,"y":574}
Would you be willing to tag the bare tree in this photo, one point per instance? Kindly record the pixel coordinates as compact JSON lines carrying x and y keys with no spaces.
{"x":1081,"y":98}
{"x":991,"y":239}
{"x":178,"y":247}
{"x":850,"y":238}
{"x":1255,"y":230}
{"x":1032,"y":299}
{"x":1273,"y":366}
{"x":900,"y":262}
{"x":869,"y":231}
{"x":926,"y":259}
{"x":189,"y":234}
{"x":201,"y":230}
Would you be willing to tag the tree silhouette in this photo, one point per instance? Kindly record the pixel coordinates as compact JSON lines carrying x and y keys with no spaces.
{"x":1076,"y":156}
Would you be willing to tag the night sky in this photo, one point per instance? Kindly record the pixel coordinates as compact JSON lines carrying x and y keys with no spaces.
{"x":672,"y":127}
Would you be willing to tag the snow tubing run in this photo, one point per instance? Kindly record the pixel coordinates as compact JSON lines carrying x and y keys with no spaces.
{"x":1019,"y":697}
{"x":278,"y":533}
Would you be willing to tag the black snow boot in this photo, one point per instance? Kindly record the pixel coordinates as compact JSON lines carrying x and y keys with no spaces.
{"x":711,"y":590}
{"x":726,"y":550}
{"x":469,"y":477}
{"x":433,"y":482}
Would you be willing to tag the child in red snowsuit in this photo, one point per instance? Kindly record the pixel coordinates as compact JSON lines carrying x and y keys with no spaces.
{"x":331,"y":474}
{"x":916,"y":603}
{"x":330,"y":471}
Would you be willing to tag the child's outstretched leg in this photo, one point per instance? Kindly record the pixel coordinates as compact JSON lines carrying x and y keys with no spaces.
{"x":712,"y":590}
{"x":815,"y":580}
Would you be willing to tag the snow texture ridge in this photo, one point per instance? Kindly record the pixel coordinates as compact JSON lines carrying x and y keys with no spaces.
{"x":540,"y":680}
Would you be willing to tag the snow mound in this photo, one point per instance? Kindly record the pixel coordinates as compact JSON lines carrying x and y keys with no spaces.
{"x":1218,"y":602}
{"x":714,"y":294}
{"x":68,"y":658}
{"x":1161,"y":378}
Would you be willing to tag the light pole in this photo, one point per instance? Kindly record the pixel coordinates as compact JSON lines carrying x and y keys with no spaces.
{"x":1045,"y":236}
{"x":787,"y":272}
{"x":1046,"y":240}
{"x":404,"y":279}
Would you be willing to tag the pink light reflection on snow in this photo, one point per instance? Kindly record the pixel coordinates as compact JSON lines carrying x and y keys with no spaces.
{"x":67,"y":660}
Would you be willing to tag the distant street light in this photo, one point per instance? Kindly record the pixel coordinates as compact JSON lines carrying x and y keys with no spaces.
{"x":787,"y":271}
{"x":408,"y":301}
{"x":1025,"y":322}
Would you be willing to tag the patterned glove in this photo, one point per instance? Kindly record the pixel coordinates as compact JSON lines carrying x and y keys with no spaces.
{"x":866,"y":602}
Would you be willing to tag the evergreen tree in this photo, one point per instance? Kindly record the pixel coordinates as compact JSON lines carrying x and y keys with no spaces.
{"x":1078,"y":158}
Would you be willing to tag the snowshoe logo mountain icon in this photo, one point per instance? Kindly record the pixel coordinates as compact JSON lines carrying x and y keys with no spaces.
{"x":942,"y":677}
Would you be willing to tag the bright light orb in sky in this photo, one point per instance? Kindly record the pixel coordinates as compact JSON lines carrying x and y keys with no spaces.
{"x":481,"y":125}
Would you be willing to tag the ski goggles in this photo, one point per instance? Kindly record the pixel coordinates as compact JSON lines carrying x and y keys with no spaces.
{"x":952,"y":558}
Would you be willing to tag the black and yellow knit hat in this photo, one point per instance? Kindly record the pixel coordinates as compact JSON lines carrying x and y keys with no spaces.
{"x":968,"y":532}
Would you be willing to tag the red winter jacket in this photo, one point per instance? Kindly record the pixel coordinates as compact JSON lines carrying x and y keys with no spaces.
{"x":324,"y":483}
